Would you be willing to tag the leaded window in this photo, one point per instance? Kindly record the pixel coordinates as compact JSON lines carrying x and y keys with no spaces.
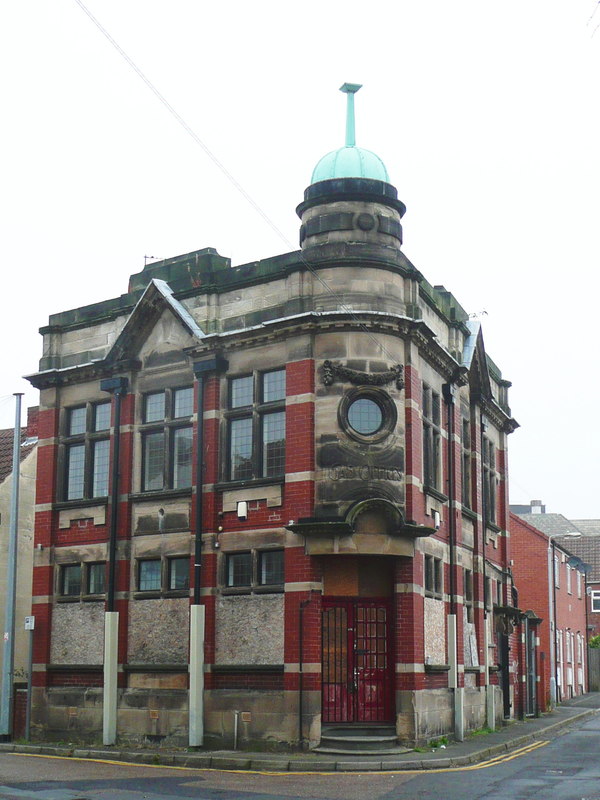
{"x":432,"y":437}
{"x":86,"y":451}
{"x":256,"y":426}
{"x":167,"y":439}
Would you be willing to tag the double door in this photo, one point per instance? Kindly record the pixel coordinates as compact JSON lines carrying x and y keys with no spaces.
{"x":357,"y":672}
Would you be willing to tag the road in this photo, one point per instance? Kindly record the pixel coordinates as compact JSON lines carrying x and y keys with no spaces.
{"x":566,"y":768}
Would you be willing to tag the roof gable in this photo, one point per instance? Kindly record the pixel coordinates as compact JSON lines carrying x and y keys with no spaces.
{"x":157,"y":303}
{"x":475,"y":361}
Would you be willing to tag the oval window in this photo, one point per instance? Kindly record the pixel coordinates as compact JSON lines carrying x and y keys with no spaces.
{"x":365,"y":416}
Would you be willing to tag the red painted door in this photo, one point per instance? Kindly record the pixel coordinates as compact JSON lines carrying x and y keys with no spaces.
{"x":357,"y":664}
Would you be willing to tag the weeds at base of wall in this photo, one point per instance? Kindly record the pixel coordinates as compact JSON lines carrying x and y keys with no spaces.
{"x":481,"y":731}
{"x":442,"y":741}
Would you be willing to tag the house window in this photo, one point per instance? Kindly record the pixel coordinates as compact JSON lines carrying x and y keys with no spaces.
{"x":239,"y":569}
{"x":466,"y":463}
{"x":569,"y":587}
{"x":431,"y":438}
{"x":178,"y":573}
{"x":595,"y":600}
{"x":87,"y":451}
{"x":557,"y":571}
{"x":489,"y":480}
{"x":81,"y":580}
{"x":256,"y":426}
{"x":96,"y":578}
{"x":254,"y":570}
{"x":468,"y":593}
{"x":167,"y":439}
{"x":578,"y":584}
{"x":164,"y":576}
{"x":70,"y":580}
{"x":270,"y":567}
{"x":434,"y":585}
{"x":149,"y":577}
{"x":569,"y":640}
{"x":367,"y":414}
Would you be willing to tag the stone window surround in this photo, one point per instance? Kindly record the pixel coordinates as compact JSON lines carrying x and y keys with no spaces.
{"x":165,"y":573}
{"x":167,"y":426}
{"x":255,"y":586}
{"x":86,"y":438}
{"x":256,"y":411}
{"x":432,"y":438}
{"x":83,"y":594}
{"x":433,"y":578}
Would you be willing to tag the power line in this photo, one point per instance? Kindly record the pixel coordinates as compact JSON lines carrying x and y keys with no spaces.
{"x":190,"y":131}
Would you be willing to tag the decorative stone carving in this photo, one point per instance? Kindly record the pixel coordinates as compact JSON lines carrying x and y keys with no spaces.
{"x":333,"y":372}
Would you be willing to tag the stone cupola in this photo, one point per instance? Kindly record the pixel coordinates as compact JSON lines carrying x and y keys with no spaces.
{"x":350,"y":202}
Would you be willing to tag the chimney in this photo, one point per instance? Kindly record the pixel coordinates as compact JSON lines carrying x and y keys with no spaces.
{"x":32,"y":422}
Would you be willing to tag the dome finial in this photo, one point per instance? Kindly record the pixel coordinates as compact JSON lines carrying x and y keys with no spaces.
{"x":350,"y":90}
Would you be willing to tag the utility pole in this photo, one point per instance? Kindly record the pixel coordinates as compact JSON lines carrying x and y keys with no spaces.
{"x":8,"y":663}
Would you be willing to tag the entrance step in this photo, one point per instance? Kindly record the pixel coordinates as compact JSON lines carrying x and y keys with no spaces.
{"x":361,"y":740}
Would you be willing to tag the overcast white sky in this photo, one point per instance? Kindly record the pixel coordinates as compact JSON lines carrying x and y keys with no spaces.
{"x":486,"y":115}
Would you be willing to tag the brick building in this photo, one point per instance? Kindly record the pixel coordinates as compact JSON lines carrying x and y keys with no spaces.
{"x":551,"y":586}
{"x":582,"y":538}
{"x":308,"y":447}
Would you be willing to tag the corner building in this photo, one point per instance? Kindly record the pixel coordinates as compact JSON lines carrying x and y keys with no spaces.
{"x":312,"y":450}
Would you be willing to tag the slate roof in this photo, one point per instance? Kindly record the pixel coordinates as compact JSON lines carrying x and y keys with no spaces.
{"x":586,"y":547}
{"x":551,"y":524}
{"x":6,"y":449}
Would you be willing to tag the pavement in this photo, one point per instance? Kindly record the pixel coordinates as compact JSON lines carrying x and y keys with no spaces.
{"x":473,"y":749}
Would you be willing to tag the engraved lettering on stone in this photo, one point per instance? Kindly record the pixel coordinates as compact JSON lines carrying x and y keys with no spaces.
{"x":364,"y":473}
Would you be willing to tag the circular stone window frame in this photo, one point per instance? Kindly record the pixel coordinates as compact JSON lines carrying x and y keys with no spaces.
{"x":389,"y":414}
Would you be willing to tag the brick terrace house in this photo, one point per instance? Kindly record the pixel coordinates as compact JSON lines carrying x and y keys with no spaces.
{"x":311,"y":495}
{"x":551,"y":587}
{"x":585,"y":546}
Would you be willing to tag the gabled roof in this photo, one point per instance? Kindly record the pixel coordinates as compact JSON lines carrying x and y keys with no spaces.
{"x":474,"y":359}
{"x":6,"y":450}
{"x":157,"y":297}
{"x":586,"y":547}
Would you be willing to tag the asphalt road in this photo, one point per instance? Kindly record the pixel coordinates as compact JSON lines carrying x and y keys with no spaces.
{"x":566,"y":768}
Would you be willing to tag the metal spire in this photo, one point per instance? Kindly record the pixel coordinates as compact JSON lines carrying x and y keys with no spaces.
{"x":350,"y":90}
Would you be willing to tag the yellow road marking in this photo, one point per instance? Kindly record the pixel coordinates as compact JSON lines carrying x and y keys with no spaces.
{"x":492,"y":762}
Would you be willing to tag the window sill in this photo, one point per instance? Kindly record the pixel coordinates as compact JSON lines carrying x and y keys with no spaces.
{"x":155,"y":667}
{"x":493,"y":527}
{"x":253,"y":668}
{"x":159,"y":494}
{"x":235,"y":590}
{"x":437,"y":667}
{"x":434,"y":595}
{"x":432,"y":492}
{"x":74,"y":667}
{"x":249,"y":482}
{"x":83,"y":503}
{"x":469,"y":514}
{"x":159,"y":593}
{"x":67,"y":599}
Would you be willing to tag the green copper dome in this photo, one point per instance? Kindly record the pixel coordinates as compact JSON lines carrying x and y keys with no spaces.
{"x":350,"y":161}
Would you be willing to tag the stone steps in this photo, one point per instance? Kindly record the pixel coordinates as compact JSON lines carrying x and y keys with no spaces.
{"x":364,"y":740}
